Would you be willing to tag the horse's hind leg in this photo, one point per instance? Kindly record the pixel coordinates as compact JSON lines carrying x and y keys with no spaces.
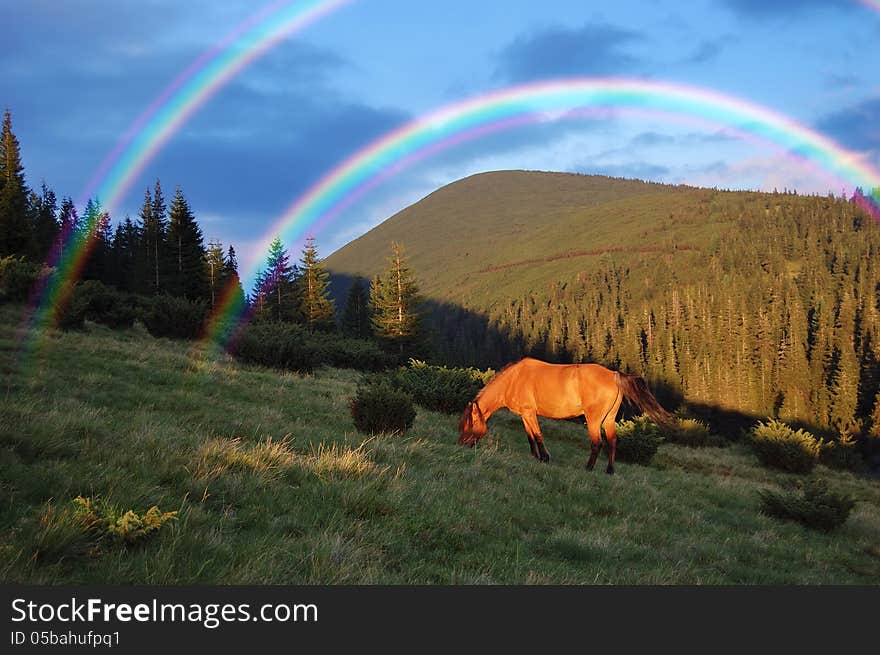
{"x":611,"y":438}
{"x":594,"y":427}
{"x":611,"y":432}
{"x":536,"y":439}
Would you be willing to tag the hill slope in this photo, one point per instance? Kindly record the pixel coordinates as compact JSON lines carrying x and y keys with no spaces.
{"x":464,"y":239}
{"x":766,"y":304}
{"x":274,"y":486}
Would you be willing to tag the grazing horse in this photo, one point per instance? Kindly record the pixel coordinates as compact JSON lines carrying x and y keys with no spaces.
{"x":532,"y":388}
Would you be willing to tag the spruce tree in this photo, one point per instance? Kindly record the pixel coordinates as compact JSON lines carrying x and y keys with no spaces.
{"x":187,"y":276}
{"x":316,"y":306}
{"x":95,"y":226}
{"x":231,"y":279}
{"x":152,"y":244}
{"x":395,"y":299}
{"x":845,"y":383}
{"x":44,"y":222}
{"x":125,"y":248}
{"x":68,"y":220}
{"x":356,"y":314}
{"x":275,"y":291}
{"x":15,"y":232}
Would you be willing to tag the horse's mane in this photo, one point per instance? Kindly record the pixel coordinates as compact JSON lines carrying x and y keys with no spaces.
{"x":495,"y":378}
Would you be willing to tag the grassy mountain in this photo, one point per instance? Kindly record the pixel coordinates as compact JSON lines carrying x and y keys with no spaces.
{"x":763,"y":304}
{"x":494,"y":235}
{"x":273,"y":485}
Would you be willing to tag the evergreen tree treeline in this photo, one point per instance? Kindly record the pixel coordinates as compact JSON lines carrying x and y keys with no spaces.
{"x":162,"y":252}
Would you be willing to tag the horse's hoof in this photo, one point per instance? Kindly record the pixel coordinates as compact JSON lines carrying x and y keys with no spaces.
{"x":609,"y":471}
{"x":545,"y":458}
{"x":588,"y":468}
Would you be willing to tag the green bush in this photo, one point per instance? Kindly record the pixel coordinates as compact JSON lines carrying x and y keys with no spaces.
{"x":71,"y":315}
{"x":347,"y":352}
{"x":106,"y":305}
{"x":843,"y":453}
{"x":439,"y":388}
{"x":813,"y":505}
{"x":692,"y":433}
{"x":17,"y":278}
{"x":378,"y":407}
{"x":292,"y":347}
{"x":278,"y":345}
{"x":638,"y":440}
{"x":178,"y":318}
{"x":780,"y":447}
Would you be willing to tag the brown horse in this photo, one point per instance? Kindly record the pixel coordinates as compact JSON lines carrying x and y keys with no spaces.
{"x":532,"y":388}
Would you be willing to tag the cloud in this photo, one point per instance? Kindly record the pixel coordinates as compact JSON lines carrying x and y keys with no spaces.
{"x":709,"y":49}
{"x":593,"y":49}
{"x":857,"y":127}
{"x":783,"y":8}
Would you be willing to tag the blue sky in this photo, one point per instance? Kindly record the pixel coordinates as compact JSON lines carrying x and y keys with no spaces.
{"x":75,"y":74}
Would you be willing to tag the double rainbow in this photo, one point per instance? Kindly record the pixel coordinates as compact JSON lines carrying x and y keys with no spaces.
{"x":544,"y":101}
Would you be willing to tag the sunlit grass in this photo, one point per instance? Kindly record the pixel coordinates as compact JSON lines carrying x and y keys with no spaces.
{"x":272,"y":484}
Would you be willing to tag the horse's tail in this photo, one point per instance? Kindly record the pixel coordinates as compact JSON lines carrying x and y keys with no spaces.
{"x":636,"y":391}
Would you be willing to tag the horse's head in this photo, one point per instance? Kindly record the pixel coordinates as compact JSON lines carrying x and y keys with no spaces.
{"x":473,"y":425}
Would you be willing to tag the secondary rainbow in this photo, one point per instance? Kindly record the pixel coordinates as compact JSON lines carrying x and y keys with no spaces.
{"x":546,"y":100}
{"x":162,"y":118}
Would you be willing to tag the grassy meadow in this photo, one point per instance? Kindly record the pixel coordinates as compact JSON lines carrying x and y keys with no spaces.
{"x":272,"y":484}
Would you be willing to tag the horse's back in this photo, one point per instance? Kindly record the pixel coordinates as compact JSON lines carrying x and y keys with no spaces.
{"x":559,"y":390}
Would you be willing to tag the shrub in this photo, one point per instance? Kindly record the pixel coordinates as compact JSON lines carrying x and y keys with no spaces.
{"x":279,"y":345}
{"x":178,"y":318}
{"x":71,"y":315}
{"x":440,"y":388}
{"x":778,"y":446}
{"x":17,"y":278}
{"x":347,"y":352}
{"x":121,"y":527}
{"x":813,"y":506}
{"x":693,"y":433}
{"x":106,"y":305}
{"x":85,"y":525}
{"x":638,"y":440}
{"x":843,"y":453}
{"x":379,"y":407}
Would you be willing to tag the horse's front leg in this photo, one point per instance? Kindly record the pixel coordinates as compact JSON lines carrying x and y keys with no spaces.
{"x":532,"y":445}
{"x":536,"y":439}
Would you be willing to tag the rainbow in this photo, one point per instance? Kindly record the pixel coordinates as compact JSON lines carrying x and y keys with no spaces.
{"x":162,"y":118}
{"x":546,"y":100}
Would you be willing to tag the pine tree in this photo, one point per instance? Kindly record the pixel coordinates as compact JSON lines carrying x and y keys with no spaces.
{"x":68,"y":220}
{"x":125,"y":248}
{"x":316,"y":306}
{"x":95,"y":226}
{"x":44,"y":222}
{"x":274,"y":291}
{"x":15,"y":232}
{"x":152,"y":244}
{"x":187,"y":276}
{"x":232,"y":281}
{"x":356,"y":314}
{"x":395,"y":299}
{"x":845,"y":383}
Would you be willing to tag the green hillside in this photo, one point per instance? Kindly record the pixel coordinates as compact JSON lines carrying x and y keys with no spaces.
{"x":759,"y":304}
{"x":273,"y":485}
{"x":494,"y":235}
